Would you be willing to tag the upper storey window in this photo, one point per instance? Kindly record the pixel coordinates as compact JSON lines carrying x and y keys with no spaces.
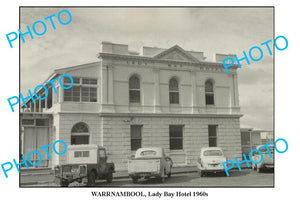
{"x":134,"y":90}
{"x":209,"y":93}
{"x":173,"y":91}
{"x":83,"y":90}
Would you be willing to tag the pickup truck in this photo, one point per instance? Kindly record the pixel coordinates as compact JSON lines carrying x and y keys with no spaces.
{"x":149,"y":162}
{"x":85,"y":164}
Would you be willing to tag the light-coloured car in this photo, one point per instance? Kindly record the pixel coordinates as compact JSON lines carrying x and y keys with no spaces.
{"x":149,"y":162}
{"x":210,"y":160}
{"x":267,"y":162}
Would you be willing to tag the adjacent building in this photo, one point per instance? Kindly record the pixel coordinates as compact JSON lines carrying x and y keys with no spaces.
{"x":171,"y":98}
{"x":251,"y":138}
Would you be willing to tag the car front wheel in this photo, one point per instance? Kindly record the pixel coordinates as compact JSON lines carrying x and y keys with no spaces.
{"x":162,"y":178}
{"x":169,"y":175}
{"x":135,"y":180}
{"x":92,"y":179}
{"x":258,"y":169}
{"x":109,"y":177}
{"x":64,"y":183}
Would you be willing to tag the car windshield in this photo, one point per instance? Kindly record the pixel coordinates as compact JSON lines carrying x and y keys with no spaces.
{"x":148,"y":153}
{"x":212,"y":153}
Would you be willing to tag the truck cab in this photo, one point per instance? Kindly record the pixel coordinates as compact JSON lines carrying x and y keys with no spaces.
{"x":85,"y":164}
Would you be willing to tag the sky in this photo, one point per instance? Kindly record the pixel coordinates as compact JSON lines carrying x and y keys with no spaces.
{"x":208,"y":30}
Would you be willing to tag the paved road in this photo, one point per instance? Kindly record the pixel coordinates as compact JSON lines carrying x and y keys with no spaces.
{"x":242,"y":178}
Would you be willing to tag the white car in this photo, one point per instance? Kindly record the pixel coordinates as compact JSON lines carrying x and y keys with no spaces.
{"x":150,"y":162}
{"x":210,"y":160}
{"x":267,"y":162}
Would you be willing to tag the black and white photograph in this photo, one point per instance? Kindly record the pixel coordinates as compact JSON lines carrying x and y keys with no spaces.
{"x":140,"y":97}
{"x":149,"y":106}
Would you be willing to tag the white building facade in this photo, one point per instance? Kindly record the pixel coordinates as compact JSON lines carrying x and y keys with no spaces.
{"x":171,"y":98}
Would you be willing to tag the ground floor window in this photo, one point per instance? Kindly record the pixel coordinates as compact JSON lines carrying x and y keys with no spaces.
{"x":212,"y":135}
{"x":80,"y":134}
{"x":79,"y":139}
{"x":176,"y":137}
{"x":136,"y":137}
{"x":35,"y":134}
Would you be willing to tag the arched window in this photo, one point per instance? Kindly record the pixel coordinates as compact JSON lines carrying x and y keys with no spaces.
{"x":134,"y":90}
{"x":173,"y":91}
{"x":80,"y":134}
{"x":209,"y":93}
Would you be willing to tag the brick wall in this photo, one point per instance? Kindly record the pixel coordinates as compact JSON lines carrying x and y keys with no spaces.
{"x":114,"y":134}
{"x":155,"y":132}
{"x":64,"y":126}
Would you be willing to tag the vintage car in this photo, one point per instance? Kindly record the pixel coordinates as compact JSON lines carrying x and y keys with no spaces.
{"x":149,"y":162}
{"x":85,"y":164}
{"x":210,"y":160}
{"x":267,"y":162}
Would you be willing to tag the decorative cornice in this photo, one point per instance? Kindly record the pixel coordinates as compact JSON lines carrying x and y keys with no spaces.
{"x":176,"y":47}
{"x":153,"y":60}
{"x":171,"y":115}
{"x":162,"y":115}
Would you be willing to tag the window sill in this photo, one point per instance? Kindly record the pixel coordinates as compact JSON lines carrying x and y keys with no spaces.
{"x":177,"y":151}
{"x":174,"y":105}
{"x":134,"y":104}
{"x":80,"y":102}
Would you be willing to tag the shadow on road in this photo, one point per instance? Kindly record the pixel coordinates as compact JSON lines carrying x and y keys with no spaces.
{"x":246,"y":177}
{"x":173,"y":179}
{"x":244,"y":172}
